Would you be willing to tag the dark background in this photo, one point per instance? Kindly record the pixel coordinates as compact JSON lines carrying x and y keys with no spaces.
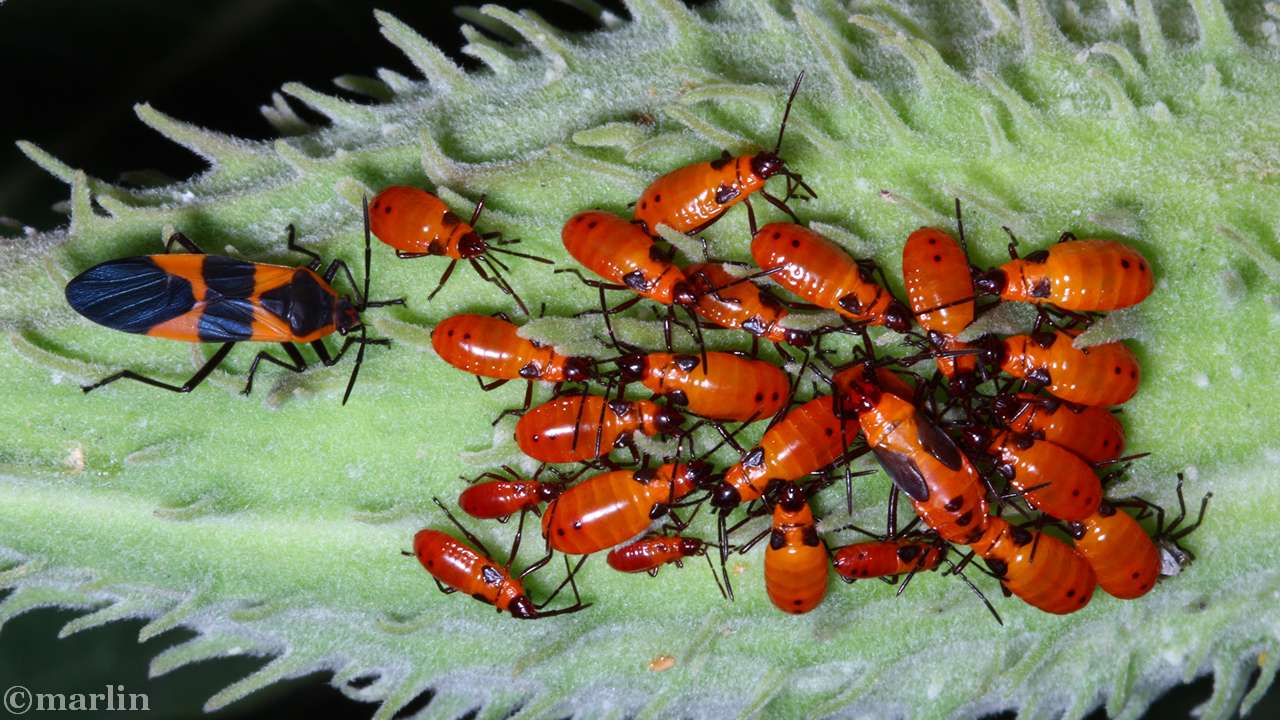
{"x":75,"y":70}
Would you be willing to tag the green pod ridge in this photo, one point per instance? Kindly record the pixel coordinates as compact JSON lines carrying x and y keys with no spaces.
{"x":273,"y":525}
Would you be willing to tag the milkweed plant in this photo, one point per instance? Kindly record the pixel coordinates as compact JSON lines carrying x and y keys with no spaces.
{"x":272,"y":525}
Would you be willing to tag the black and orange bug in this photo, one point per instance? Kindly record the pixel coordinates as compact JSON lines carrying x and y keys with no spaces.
{"x":493,"y":496}
{"x":716,"y":385}
{"x":607,"y":509}
{"x":651,"y":552}
{"x":1105,"y":374}
{"x":935,"y":273}
{"x":1128,"y":562}
{"x":796,"y":560}
{"x":807,"y":439}
{"x":456,"y":566}
{"x":1040,"y":569}
{"x":1074,"y":275}
{"x":1125,"y":560}
{"x":628,"y":259}
{"x":1054,"y":480}
{"x":939,"y":286}
{"x":491,"y":347}
{"x":196,"y":297}
{"x":920,"y":459}
{"x":580,"y":428}
{"x":821,"y":272}
{"x":1093,"y":433}
{"x":887,"y":559}
{"x":737,"y":303}
{"x":692,"y":198}
{"x":419,"y":224}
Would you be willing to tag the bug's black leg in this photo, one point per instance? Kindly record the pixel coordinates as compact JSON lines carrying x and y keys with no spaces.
{"x":293,"y":245}
{"x":323,"y":352}
{"x":213,"y":362}
{"x":299,"y":363}
{"x":332,"y":271}
{"x":444,"y":278}
{"x":184,"y":241}
{"x":780,"y":205}
{"x":467,"y":533}
{"x":528,"y":400}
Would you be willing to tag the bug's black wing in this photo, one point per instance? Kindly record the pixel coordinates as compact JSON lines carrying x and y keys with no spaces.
{"x":131,"y":294}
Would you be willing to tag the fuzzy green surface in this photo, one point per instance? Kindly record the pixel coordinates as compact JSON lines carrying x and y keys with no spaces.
{"x":274,"y":524}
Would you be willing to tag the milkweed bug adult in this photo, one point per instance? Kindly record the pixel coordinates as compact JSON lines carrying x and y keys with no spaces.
{"x":196,"y":297}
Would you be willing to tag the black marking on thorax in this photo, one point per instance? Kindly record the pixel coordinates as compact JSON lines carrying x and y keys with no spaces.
{"x":302,"y":302}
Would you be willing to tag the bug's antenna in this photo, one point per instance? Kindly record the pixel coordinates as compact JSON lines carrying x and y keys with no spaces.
{"x":787,"y":112}
{"x":368,"y":255}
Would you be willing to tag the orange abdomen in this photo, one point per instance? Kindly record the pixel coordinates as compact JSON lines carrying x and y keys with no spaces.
{"x":1124,"y":558}
{"x":1053,"y":479}
{"x":490,"y":347}
{"x":692,"y":197}
{"x":935,"y":271}
{"x":500,"y":498}
{"x":807,"y":438}
{"x":883,"y":558}
{"x":621,"y":252}
{"x":795,"y":563}
{"x":459,"y":566}
{"x":1091,"y":432}
{"x":1054,"y":578}
{"x":609,"y":508}
{"x":727,"y":387}
{"x":415,"y":221}
{"x":547,"y":432}
{"x":1105,"y":374}
{"x":1080,"y":275}
{"x":822,"y":273}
